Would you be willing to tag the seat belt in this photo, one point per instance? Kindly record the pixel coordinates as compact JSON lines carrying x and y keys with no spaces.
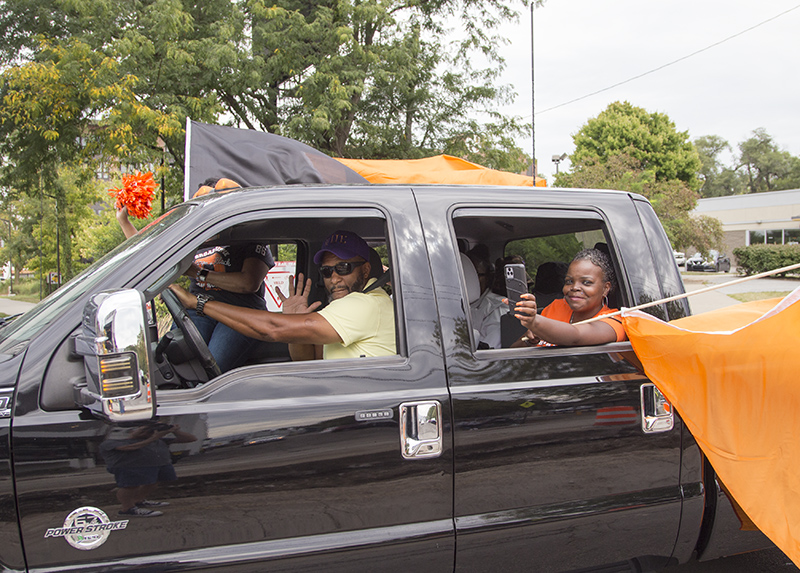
{"x":379,"y":282}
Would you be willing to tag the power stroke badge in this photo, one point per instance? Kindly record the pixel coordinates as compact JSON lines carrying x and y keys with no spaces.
{"x":86,"y":528}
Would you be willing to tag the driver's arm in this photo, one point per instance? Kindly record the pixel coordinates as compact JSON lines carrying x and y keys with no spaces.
{"x":309,"y":328}
{"x":248,"y":280}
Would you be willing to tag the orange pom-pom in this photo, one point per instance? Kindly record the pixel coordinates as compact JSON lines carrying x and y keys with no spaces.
{"x":136,"y":194}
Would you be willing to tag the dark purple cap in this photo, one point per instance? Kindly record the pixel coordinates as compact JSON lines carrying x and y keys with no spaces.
{"x":345,"y":245}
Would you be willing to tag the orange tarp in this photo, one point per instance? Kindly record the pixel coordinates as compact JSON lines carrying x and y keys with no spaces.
{"x":732,"y":375}
{"x":438,"y":169}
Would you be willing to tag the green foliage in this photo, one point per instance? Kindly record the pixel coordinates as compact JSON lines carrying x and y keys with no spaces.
{"x":760,"y":166}
{"x":762,"y":258}
{"x":543,"y":249}
{"x":649,"y":138}
{"x":43,"y":228}
{"x":620,"y":171}
{"x":345,"y":76}
{"x":717,"y":180}
{"x":702,"y":232}
{"x":628,"y":149}
{"x":28,"y":289}
{"x":95,"y":83}
{"x":100,"y":233}
{"x":672,"y":200}
{"x":767,"y":168}
{"x":287,"y":252}
{"x":491,"y":145}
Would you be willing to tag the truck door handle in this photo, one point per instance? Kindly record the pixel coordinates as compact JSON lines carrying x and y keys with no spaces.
{"x":421,"y":429}
{"x":657,"y":412}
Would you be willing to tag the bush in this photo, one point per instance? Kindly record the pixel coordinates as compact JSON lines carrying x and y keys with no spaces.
{"x":762,"y":258}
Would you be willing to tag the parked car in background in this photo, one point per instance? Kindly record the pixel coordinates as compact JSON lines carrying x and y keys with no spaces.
{"x":716,"y":262}
{"x":694,"y":263}
{"x":680,"y":258}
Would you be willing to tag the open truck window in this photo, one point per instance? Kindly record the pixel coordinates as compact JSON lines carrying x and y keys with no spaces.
{"x":179,"y":356}
{"x":293,"y":242}
{"x":543,"y":241}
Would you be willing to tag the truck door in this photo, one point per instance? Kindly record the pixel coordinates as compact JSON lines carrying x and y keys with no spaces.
{"x":553,"y":470}
{"x":280,"y":465}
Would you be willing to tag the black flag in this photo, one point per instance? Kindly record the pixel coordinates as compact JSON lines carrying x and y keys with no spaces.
{"x":256,"y":158}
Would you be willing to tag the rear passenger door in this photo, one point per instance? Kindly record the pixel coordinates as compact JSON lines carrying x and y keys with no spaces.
{"x":553,"y":471}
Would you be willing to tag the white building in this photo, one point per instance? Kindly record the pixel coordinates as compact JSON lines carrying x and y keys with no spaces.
{"x":771,"y":218}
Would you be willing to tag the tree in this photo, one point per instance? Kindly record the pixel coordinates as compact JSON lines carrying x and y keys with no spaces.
{"x":717,"y":179}
{"x":791,"y":179}
{"x":629,"y":149}
{"x":767,"y":168}
{"x":672,"y":200}
{"x":649,"y":138}
{"x":89,"y":82}
{"x":51,"y":138}
{"x":322,"y":71}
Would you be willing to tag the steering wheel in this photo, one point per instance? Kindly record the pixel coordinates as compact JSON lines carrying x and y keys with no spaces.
{"x":191,"y":335}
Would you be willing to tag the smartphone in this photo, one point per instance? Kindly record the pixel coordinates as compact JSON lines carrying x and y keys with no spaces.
{"x":516,"y":284}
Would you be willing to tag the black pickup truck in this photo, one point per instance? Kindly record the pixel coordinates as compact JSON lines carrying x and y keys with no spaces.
{"x":443,"y":457}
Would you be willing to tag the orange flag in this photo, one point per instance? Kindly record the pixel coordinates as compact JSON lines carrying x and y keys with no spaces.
{"x":444,"y":169}
{"x":733,"y":376}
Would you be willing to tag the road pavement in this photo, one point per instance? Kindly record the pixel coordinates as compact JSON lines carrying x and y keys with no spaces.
{"x":9,"y":305}
{"x":720,"y":298}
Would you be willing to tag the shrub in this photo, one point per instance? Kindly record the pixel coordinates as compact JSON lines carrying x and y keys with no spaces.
{"x":762,"y":258}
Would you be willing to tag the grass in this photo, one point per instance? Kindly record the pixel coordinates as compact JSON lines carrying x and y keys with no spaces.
{"x":26,"y":290}
{"x":23,"y":297}
{"x":751,"y":296}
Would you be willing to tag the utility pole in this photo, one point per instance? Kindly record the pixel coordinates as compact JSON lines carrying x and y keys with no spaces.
{"x":533,"y":107}
{"x":10,"y":264}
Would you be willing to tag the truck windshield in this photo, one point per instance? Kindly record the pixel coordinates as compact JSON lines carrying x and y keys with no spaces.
{"x":16,"y":333}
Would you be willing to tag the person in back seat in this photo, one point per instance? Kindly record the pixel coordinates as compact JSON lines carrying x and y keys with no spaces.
{"x":488,"y":308}
{"x":589,"y":280}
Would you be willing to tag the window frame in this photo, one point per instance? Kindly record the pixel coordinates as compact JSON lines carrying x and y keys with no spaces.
{"x":588,"y":217}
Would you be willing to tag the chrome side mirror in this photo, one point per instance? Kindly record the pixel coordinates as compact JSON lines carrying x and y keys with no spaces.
{"x":115,"y":348}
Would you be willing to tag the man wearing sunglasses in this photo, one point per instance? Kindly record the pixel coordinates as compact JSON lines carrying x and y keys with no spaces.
{"x":357,"y":322}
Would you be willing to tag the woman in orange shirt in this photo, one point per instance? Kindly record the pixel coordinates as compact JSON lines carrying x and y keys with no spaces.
{"x":589,"y":279}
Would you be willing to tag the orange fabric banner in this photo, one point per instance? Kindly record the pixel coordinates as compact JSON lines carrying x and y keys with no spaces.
{"x":732,"y":375}
{"x":443,"y":169}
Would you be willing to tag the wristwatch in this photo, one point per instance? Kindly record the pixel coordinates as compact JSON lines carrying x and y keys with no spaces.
{"x":202,"y":299}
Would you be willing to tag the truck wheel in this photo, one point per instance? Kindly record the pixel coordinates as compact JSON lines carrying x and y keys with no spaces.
{"x":190,"y":334}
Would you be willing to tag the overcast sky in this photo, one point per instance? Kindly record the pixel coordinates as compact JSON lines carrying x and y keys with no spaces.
{"x":749,"y":81}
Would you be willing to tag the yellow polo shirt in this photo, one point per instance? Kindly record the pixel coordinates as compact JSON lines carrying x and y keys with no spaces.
{"x":364,"y":322}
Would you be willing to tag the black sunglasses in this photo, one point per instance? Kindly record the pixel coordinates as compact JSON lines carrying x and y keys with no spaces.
{"x":342,"y":269}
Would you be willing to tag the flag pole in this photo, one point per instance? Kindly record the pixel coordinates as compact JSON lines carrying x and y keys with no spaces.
{"x":533,"y":106}
{"x":688,"y":294}
{"x":187,"y":154}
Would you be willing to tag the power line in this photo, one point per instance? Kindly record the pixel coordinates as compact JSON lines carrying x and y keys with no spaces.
{"x":714,"y":45}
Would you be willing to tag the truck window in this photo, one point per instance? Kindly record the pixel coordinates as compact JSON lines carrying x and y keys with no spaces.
{"x":544,"y":244}
{"x":292,"y":244}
